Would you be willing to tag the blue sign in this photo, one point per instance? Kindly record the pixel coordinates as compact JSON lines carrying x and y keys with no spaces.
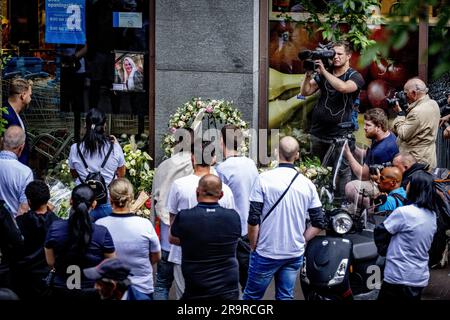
{"x":65,"y":21}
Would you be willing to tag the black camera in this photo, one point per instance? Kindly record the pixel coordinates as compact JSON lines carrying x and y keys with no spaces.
{"x":375,"y":168}
{"x":323,"y":52}
{"x":399,"y":97}
{"x":444,"y":101}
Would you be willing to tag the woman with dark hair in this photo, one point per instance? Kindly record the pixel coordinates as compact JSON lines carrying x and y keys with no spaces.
{"x":97,"y":153}
{"x":74,"y":244}
{"x":407,"y":234}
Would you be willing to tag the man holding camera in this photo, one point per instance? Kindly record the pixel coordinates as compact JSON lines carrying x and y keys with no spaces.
{"x":417,"y":131}
{"x":339,"y":88}
{"x":445,"y":113}
{"x":382,"y":151}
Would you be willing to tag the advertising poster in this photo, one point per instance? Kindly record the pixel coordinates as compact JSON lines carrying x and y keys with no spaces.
{"x":65,"y":22}
{"x":290,"y":112}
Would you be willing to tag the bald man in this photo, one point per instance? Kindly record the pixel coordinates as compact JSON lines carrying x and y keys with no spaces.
{"x":408,"y":165}
{"x":417,"y":131}
{"x":390,"y":184}
{"x":208,"y":236}
{"x":280,"y":202}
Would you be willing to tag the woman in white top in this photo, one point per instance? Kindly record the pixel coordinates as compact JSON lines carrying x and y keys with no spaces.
{"x":408,"y":233}
{"x":97,"y":149}
{"x":135,"y":240}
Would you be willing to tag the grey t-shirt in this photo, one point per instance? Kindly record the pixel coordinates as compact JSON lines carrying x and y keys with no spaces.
{"x":94,"y":162}
{"x":135,"y":239}
{"x":239,"y":173}
{"x":412,"y":230}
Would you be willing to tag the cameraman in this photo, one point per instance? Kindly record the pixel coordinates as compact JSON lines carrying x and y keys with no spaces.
{"x":445,"y":120}
{"x":339,"y":88}
{"x":417,"y":131}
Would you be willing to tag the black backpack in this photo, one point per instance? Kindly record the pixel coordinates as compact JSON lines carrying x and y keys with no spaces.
{"x":95,"y":180}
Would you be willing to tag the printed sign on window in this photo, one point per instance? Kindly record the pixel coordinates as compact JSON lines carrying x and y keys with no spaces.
{"x":65,"y":21}
{"x":127,"y":20}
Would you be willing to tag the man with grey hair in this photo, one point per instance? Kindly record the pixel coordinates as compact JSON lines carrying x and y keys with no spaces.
{"x":417,"y":130}
{"x":284,"y":198}
{"x":14,"y":176}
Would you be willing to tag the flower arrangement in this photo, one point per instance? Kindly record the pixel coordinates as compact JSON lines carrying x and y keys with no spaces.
{"x":139,"y":174}
{"x":61,"y":184}
{"x":215,"y":110}
{"x":138,"y":169}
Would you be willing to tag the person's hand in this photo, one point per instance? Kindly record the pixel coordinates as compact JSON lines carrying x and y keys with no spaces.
{"x":397,"y":108}
{"x":447,"y":133}
{"x":444,"y":119}
{"x":50,"y":206}
{"x":113,"y":139}
{"x":320,"y":67}
{"x":376,"y":176}
{"x":347,"y":150}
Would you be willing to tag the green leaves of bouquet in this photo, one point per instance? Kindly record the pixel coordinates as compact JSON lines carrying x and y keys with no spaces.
{"x":138,"y":168}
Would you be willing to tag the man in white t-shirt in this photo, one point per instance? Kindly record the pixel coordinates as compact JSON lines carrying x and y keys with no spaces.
{"x":183,"y":195}
{"x":239,"y":173}
{"x":279,"y":243}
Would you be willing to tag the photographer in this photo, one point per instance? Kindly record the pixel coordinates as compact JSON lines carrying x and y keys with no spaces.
{"x":382,"y":150}
{"x":339,"y":88}
{"x":417,"y":131}
{"x":445,"y":114}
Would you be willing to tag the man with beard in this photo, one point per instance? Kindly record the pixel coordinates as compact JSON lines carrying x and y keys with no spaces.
{"x":382,"y":150}
{"x":19,"y":98}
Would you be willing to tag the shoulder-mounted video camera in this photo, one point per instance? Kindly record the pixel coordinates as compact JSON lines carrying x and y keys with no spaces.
{"x":323,"y":52}
{"x":399,"y":97}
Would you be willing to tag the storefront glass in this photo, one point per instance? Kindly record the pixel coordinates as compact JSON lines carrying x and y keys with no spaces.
{"x":105,"y":69}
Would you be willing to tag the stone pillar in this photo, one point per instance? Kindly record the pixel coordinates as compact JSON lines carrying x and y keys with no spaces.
{"x":208,"y":49}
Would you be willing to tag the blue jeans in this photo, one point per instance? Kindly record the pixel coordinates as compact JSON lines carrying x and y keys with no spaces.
{"x":100,"y":211}
{"x":262,"y":270}
{"x":164,"y":277}
{"x":135,"y":294}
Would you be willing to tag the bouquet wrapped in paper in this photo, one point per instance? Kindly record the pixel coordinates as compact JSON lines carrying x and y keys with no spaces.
{"x":59,"y":197}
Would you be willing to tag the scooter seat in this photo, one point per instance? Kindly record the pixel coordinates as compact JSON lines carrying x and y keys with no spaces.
{"x":364,"y":251}
{"x":364,"y":247}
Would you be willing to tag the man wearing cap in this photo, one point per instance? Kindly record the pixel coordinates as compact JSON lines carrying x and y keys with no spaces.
{"x":111,"y":277}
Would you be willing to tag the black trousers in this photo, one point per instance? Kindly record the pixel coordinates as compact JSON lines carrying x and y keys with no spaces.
{"x":391,"y":292}
{"x":243,"y":257}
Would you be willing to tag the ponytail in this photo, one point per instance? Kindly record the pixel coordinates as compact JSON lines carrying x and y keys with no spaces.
{"x":95,"y":139}
{"x":80,"y":224}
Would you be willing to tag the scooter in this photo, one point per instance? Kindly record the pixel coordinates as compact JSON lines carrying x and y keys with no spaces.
{"x":344,"y":264}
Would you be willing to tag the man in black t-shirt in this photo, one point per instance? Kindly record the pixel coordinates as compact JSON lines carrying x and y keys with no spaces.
{"x":339,"y":88}
{"x":208,"y":235}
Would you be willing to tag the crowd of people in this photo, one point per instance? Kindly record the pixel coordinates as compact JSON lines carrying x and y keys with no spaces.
{"x":226,"y":232}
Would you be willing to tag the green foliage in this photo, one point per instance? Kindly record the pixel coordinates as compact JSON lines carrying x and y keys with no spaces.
{"x":403,"y":20}
{"x":3,"y":122}
{"x":138,"y":168}
{"x":354,"y":13}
